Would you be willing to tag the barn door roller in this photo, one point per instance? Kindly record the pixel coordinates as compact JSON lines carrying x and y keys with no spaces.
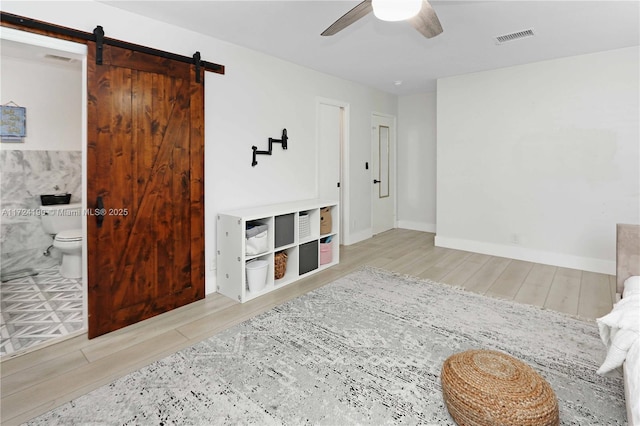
{"x":99,"y":33}
{"x":197,"y":62}
{"x":196,"y":59}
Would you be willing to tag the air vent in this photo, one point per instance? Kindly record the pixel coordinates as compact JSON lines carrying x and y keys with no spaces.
{"x":58,"y":58}
{"x":514,"y":36}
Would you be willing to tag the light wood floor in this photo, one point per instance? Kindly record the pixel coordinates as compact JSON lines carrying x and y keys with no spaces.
{"x":41,"y":380}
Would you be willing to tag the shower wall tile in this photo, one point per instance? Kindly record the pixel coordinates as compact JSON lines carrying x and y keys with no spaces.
{"x":12,"y":161}
{"x":51,"y":169}
{"x":24,"y":175}
{"x":12,"y":190}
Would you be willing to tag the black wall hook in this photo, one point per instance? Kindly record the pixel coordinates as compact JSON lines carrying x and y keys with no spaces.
{"x":282,"y":141}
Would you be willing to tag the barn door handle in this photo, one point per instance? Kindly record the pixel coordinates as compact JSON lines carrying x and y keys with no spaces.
{"x":100,"y":211}
{"x":376,"y":181}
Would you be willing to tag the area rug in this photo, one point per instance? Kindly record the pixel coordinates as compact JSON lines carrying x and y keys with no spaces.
{"x":365,"y":349}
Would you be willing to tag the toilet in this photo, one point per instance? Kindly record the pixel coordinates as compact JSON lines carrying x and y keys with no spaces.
{"x":64,"y":222}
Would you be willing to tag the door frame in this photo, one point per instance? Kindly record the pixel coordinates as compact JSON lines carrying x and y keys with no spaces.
{"x":78,"y":49}
{"x":393,"y":172}
{"x":344,"y":163}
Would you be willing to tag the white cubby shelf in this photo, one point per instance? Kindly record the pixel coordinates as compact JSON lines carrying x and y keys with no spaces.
{"x":283,"y":234}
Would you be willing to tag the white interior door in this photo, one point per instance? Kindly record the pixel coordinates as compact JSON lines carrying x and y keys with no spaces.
{"x":383,"y":194}
{"x":331,"y":131}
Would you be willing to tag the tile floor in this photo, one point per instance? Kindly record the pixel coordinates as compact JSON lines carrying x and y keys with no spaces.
{"x":37,"y":309}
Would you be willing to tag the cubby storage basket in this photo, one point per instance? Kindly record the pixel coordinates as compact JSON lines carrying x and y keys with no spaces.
{"x":256,"y":271}
{"x":325,"y":220}
{"x":304,"y":228}
{"x":279,"y":264}
{"x":326,"y":253}
{"x":257,"y":240}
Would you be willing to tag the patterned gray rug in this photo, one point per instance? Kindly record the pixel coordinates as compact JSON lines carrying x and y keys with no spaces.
{"x":366,"y":349}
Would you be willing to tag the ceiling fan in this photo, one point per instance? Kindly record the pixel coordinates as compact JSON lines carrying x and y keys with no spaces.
{"x":419,"y":13}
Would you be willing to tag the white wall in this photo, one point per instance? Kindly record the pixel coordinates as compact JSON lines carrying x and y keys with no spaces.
{"x":52,"y":95}
{"x":417,"y":162}
{"x":540,"y":161}
{"x":258,"y":97}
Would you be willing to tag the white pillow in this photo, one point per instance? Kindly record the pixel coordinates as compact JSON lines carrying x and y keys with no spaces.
{"x":631,"y":286}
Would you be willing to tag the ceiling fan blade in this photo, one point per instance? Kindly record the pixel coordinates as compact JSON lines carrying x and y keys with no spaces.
{"x":361,"y":10}
{"x":426,"y":21}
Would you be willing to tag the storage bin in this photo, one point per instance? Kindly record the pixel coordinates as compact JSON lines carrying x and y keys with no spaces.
{"x":279,"y":265}
{"x":304,"y":228}
{"x":257,"y":274}
{"x":326,"y":253}
{"x":325,"y":220}
{"x":284,"y":230}
{"x":257,"y":240}
{"x":308,"y":260}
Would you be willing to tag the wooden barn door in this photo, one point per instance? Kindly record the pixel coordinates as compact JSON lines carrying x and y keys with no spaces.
{"x":145,"y":170}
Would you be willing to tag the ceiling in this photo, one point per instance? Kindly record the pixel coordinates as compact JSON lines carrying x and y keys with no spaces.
{"x":380,"y":54}
{"x":39,"y":54}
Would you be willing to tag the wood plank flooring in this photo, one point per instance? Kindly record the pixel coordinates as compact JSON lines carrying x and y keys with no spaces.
{"x":41,"y":380}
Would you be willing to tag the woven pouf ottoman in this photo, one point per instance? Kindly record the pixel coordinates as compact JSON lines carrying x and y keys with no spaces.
{"x":483,"y":387}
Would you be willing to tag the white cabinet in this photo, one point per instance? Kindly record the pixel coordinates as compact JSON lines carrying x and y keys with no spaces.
{"x":294,"y":228}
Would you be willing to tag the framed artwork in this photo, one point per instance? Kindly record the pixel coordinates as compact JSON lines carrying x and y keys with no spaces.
{"x":13,"y":123}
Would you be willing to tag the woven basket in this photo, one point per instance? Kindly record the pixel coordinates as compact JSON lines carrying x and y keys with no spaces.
{"x":279,"y":264}
{"x":304,"y":226}
{"x":482,"y":387}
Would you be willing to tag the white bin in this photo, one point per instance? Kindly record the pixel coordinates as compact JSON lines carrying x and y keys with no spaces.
{"x":257,"y":274}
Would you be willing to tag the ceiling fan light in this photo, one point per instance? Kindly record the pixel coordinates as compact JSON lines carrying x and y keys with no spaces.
{"x":396,"y":10}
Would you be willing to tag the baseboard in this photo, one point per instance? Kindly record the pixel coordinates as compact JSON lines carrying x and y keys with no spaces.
{"x":356,"y":237}
{"x":210,"y":282}
{"x":417,"y":226}
{"x":531,"y":255}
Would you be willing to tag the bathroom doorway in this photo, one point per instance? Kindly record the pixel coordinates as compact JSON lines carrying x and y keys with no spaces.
{"x":46,"y":77}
